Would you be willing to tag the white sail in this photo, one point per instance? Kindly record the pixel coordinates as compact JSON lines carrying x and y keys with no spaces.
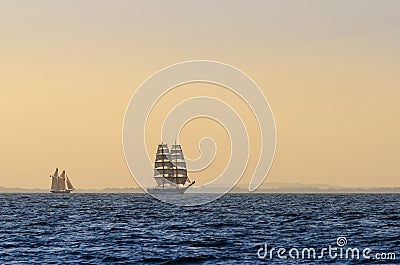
{"x":61,"y":181}
{"x":69,"y":184}
{"x":56,"y":173}
{"x":163,"y":181}
{"x":54,"y":183}
{"x":54,"y":180}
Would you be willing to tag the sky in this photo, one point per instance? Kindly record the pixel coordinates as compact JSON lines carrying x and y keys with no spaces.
{"x":329,"y":69}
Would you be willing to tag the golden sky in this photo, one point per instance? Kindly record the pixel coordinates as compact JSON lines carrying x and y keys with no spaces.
{"x":329,"y":69}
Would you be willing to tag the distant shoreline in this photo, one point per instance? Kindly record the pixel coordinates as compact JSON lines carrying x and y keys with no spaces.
{"x":300,"y":190}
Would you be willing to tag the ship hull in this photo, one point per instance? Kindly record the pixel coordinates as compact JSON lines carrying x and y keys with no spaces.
{"x":60,"y":191}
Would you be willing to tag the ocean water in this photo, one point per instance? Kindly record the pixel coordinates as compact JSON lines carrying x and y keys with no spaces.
{"x":137,"y":229}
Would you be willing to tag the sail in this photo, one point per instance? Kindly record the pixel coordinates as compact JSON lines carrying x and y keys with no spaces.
{"x":61,"y":181}
{"x":170,"y":166}
{"x":69,"y":184}
{"x":163,"y":172}
{"x":181,"y":172}
{"x":177,"y":180}
{"x":163,"y":181}
{"x":162,"y":164}
{"x":177,"y":156}
{"x":56,"y":173}
{"x":179,"y":164}
{"x":54,"y":180}
{"x":165,"y":164}
{"x":160,"y":157}
{"x":176,"y":153}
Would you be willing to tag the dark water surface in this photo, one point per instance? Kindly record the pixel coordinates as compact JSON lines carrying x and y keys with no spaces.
{"x":137,"y":229}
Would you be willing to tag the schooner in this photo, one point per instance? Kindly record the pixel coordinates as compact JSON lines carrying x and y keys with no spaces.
{"x":170,"y":171}
{"x":60,"y":183}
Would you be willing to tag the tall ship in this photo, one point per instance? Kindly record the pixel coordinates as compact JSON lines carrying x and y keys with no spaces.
{"x":170,"y":172}
{"x":61,"y":183}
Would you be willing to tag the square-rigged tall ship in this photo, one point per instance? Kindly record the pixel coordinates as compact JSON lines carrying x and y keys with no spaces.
{"x":60,"y":183}
{"x":170,"y":171}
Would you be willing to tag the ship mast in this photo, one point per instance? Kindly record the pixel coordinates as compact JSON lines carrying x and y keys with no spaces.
{"x":162,"y":161}
{"x":176,"y":168}
{"x":58,"y":182}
